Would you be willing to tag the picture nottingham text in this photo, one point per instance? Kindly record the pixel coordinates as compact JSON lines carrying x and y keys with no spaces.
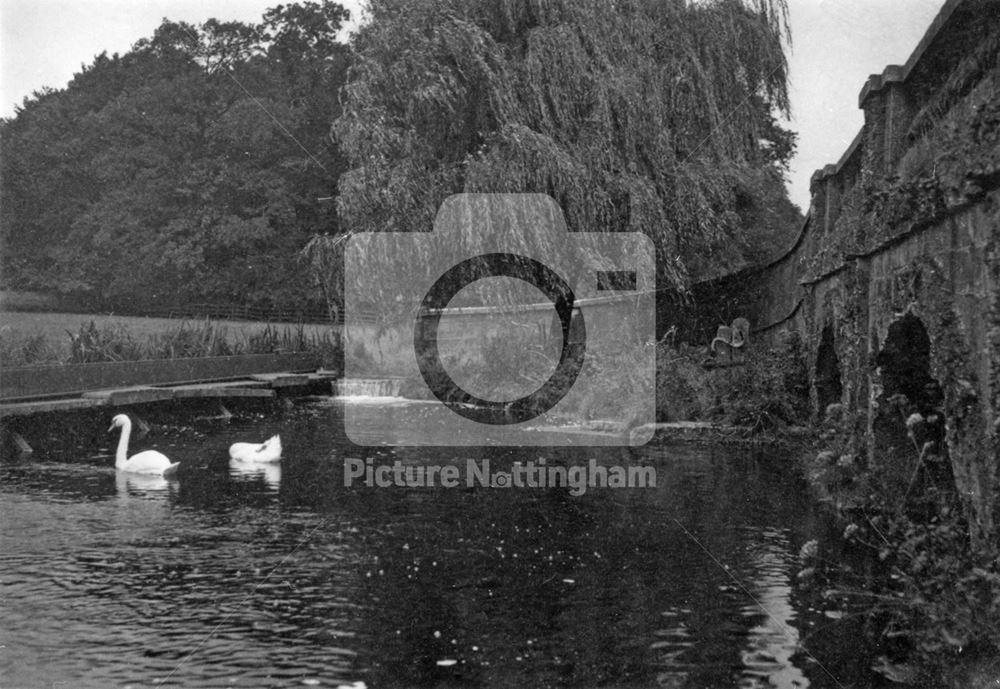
{"x":577,"y":477}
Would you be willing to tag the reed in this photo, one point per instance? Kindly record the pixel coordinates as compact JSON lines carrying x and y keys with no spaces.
{"x":92,"y":342}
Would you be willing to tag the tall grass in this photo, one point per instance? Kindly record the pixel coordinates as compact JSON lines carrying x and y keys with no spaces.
{"x":18,"y":349}
{"x":109,"y":342}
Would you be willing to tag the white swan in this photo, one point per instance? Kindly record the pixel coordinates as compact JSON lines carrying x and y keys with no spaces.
{"x":148,"y":462}
{"x":267,"y":451}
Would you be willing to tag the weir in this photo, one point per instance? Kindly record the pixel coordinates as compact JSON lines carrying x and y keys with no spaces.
{"x":368,"y":387}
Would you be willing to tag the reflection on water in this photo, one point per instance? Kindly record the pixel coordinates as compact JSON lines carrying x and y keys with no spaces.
{"x":279,"y":575}
{"x":141,"y":485}
{"x":768,"y":655}
{"x":268,"y":472}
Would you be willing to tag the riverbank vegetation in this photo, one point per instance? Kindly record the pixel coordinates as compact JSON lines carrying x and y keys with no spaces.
{"x":762,"y":390}
{"x":906,"y":560}
{"x":50,"y":340}
{"x":931,"y":597}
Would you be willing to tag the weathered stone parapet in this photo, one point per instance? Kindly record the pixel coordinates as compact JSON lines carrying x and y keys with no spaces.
{"x":889,"y":110}
{"x":893,"y":281}
{"x":943,"y":282}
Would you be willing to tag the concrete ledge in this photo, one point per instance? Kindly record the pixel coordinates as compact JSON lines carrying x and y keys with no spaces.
{"x":673,"y":431}
{"x":261,"y":385}
{"x":134,"y":395}
{"x":50,"y":381}
{"x":281,"y":380}
{"x":43,"y":406}
{"x":243,"y":388}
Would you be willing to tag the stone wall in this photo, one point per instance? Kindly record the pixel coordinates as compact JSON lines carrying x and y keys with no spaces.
{"x":893,"y":281}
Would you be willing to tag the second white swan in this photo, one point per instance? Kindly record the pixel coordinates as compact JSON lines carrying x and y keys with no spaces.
{"x":267,"y":451}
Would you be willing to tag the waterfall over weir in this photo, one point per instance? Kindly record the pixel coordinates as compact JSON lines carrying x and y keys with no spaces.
{"x":367,"y":387}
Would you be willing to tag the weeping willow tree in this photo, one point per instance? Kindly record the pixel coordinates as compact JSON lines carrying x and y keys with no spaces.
{"x":657,"y":116}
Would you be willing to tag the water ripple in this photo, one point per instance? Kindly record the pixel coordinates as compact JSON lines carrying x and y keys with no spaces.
{"x":234,"y":576}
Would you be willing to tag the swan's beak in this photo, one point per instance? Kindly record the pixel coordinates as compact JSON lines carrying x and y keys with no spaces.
{"x":111,"y":428}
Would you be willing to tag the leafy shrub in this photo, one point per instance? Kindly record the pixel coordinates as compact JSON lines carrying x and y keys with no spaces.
{"x":683,"y":389}
{"x":930,"y":597}
{"x":770,"y":391}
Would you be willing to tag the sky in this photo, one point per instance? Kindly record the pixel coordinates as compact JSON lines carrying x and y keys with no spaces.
{"x":836,"y":44}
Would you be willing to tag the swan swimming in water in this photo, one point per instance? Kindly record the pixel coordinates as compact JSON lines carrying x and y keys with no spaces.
{"x":148,"y":462}
{"x":267,"y":451}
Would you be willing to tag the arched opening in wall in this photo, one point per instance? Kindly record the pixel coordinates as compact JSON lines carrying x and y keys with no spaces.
{"x":828,"y":385}
{"x":905,"y":361}
{"x":908,"y":424}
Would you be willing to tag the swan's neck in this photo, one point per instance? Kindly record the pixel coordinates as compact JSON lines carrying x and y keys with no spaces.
{"x":121,"y":456}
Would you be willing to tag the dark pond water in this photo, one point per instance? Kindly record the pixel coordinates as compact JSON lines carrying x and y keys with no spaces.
{"x":288,"y":578}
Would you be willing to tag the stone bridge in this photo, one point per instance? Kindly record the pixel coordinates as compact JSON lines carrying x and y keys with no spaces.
{"x":892,"y":282}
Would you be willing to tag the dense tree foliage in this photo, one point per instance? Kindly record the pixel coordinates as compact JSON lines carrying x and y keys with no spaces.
{"x":187,"y":169}
{"x":652,"y":115}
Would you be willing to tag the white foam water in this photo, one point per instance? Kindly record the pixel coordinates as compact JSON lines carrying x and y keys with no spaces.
{"x":368,"y":389}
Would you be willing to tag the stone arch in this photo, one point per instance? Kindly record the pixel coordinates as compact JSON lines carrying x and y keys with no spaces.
{"x":903,"y":370}
{"x":827,"y":382}
{"x":904,"y":362}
